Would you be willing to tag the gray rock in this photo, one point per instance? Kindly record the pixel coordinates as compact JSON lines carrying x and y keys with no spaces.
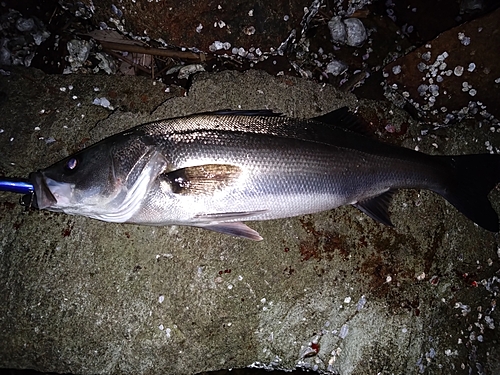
{"x":337,"y":30}
{"x":336,"y":67}
{"x":350,"y":31}
{"x":334,"y":291}
{"x":356,"y":32}
{"x":25,"y":24}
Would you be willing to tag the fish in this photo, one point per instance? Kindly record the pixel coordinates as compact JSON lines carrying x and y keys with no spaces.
{"x":216,"y":170}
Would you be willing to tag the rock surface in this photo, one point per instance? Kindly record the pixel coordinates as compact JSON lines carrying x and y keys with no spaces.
{"x":335,"y":292}
{"x":454,"y":75}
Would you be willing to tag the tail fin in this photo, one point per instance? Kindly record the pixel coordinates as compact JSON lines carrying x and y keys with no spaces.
{"x":473,"y":177}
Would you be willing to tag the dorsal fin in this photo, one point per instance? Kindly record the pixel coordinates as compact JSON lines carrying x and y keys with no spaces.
{"x":244,"y":112}
{"x":377,"y":207}
{"x":322,"y":129}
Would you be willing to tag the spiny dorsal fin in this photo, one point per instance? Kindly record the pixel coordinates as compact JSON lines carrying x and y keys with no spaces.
{"x":202,"y":179}
{"x":377,"y":207}
{"x":243,"y":112}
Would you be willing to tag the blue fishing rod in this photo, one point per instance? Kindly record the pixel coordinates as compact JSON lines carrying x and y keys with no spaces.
{"x":16,"y":185}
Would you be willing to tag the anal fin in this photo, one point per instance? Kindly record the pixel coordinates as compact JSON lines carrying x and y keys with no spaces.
{"x":377,"y":207}
{"x":236,"y":228}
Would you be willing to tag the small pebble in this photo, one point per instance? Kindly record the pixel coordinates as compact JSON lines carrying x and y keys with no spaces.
{"x":396,"y":69}
{"x":459,"y":70}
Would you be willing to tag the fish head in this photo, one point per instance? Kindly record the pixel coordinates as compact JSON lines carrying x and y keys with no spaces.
{"x":106,"y":181}
{"x":86,"y":178}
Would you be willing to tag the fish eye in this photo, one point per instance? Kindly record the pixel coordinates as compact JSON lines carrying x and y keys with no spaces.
{"x":72,"y":164}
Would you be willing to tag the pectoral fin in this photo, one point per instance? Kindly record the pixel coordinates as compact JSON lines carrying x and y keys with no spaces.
{"x":202,"y":179}
{"x":237,"y":229}
{"x":377,"y":207}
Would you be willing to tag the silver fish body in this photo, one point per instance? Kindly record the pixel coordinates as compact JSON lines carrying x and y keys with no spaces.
{"x":218,"y":169}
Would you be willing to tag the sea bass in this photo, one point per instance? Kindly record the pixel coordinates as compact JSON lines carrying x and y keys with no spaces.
{"x":215,"y":170}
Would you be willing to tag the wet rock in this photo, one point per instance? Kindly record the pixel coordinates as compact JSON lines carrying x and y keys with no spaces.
{"x":336,"y":67}
{"x":453,"y":76}
{"x":337,"y":30}
{"x":106,"y":63}
{"x":23,"y":24}
{"x":4,"y":52}
{"x":356,"y":32}
{"x":423,"y":21}
{"x":188,"y":70}
{"x":20,"y":37}
{"x":350,"y":31}
{"x":79,"y":51}
{"x":198,"y":24}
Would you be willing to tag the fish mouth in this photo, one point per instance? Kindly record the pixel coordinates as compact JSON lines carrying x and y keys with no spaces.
{"x":43,"y":195}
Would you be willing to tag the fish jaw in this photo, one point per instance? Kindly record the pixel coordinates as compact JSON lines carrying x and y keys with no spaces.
{"x":44,"y":198}
{"x":53,"y":195}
